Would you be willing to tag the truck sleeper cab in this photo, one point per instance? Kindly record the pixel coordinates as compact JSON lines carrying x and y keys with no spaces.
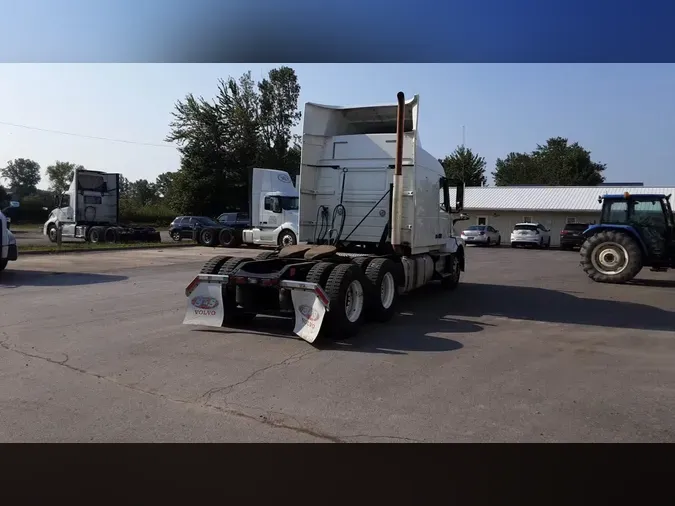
{"x":372,"y":221}
{"x":89,"y":210}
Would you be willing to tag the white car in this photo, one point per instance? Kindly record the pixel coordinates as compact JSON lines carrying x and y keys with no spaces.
{"x":534,"y":234}
{"x":482,"y":234}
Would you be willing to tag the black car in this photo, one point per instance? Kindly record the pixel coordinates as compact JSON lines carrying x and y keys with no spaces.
{"x":193,"y":227}
{"x":572,"y":235}
{"x":235,"y":220}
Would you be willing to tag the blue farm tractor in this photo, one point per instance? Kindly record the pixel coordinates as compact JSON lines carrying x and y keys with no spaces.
{"x":635,"y":231}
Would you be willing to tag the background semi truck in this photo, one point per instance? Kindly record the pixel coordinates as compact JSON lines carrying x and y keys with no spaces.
{"x":90,"y":210}
{"x":272,"y":218}
{"x":373,"y":224}
{"x":8,"y":249}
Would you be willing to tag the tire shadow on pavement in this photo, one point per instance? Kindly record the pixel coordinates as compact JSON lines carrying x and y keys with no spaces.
{"x":18,"y":278}
{"x":552,"y":306}
{"x":416,"y":327}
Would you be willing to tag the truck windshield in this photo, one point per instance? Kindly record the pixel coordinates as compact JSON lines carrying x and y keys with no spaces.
{"x":289,"y":203}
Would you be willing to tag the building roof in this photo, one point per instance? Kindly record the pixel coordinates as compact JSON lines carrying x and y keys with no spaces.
{"x":547,"y":198}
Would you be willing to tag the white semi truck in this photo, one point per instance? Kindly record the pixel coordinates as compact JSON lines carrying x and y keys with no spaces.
{"x":272,"y":219}
{"x":90,"y":210}
{"x":372,"y":221}
{"x":8,"y":249}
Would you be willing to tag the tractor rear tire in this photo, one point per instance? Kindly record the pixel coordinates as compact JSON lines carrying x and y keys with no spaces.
{"x":611,"y":257}
{"x":319,"y":273}
{"x":381,"y":274}
{"x":214,"y":265}
{"x":266,"y":255}
{"x":346,"y":292}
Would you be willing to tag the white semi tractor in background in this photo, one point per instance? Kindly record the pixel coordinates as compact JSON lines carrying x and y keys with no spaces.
{"x":272,"y":219}
{"x":8,"y":249}
{"x":372,"y":222}
{"x":90,"y":210}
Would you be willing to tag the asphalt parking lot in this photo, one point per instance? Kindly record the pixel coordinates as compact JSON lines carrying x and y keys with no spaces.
{"x":526,"y":350}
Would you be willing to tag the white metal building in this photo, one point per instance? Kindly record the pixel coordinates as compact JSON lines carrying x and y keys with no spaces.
{"x":552,"y":206}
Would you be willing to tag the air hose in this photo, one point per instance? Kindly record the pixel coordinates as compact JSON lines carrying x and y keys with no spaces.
{"x":321,"y":226}
{"x":339,"y":212}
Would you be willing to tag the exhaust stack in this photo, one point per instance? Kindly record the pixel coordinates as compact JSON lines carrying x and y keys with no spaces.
{"x":397,"y":197}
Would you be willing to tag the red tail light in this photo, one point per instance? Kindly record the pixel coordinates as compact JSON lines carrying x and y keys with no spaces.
{"x":240,"y":280}
{"x":563,"y":232}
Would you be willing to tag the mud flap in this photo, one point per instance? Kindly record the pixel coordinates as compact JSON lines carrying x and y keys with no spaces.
{"x":205,"y":305}
{"x":309,"y":314}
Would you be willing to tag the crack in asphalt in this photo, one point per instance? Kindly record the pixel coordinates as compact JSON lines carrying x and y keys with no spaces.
{"x":264,"y":419}
{"x":295,"y":357}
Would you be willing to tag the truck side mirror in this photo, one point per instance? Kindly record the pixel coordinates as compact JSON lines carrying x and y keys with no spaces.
{"x":459,"y":196}
{"x":446,"y":195}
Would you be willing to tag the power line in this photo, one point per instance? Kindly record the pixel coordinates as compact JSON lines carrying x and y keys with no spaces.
{"x":124,"y":141}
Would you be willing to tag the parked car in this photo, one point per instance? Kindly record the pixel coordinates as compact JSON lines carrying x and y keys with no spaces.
{"x":235,"y":219}
{"x":572,"y":236}
{"x":482,"y":234}
{"x":534,"y":234}
{"x":190,"y":227}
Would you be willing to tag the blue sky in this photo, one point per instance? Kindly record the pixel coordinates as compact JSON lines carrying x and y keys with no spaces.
{"x":623,"y":113}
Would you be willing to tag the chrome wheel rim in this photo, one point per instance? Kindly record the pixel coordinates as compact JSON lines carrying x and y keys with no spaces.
{"x":354,"y":301}
{"x":610,"y":258}
{"x":287,"y":240}
{"x":387,"y":290}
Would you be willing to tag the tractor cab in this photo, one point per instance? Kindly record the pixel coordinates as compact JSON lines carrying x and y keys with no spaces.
{"x":635,"y":231}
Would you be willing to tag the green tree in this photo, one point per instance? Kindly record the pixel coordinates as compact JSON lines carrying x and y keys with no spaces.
{"x":247,"y":125}
{"x":465,"y":166}
{"x":279,"y":94}
{"x":141,"y":193}
{"x":60,"y":176}
{"x":556,"y":163}
{"x":23,"y":176}
{"x":163,"y":184}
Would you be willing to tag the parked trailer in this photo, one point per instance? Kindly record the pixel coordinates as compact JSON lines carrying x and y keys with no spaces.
{"x":89,"y":210}
{"x":372,"y":220}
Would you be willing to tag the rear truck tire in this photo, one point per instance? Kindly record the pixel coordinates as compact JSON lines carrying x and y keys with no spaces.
{"x":451,"y":282}
{"x":541,"y":243}
{"x":232,"y":315}
{"x":3,"y":264}
{"x":381,"y":273}
{"x":499,"y":241}
{"x":229,"y":238}
{"x":95,"y":235}
{"x":487,"y":243}
{"x":175,"y":235}
{"x":208,"y":237}
{"x":52,"y":233}
{"x":548,"y":243}
{"x":266,"y":255}
{"x":362,"y":262}
{"x":213,"y":266}
{"x":346,"y":293}
{"x":230,"y":265}
{"x":611,"y":257}
{"x":287,"y":238}
{"x":111,"y":235}
{"x":319,"y":273}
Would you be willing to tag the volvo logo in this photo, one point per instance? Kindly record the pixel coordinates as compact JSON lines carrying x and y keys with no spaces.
{"x":284,"y":178}
{"x":309,"y":313}
{"x":204,"y":302}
